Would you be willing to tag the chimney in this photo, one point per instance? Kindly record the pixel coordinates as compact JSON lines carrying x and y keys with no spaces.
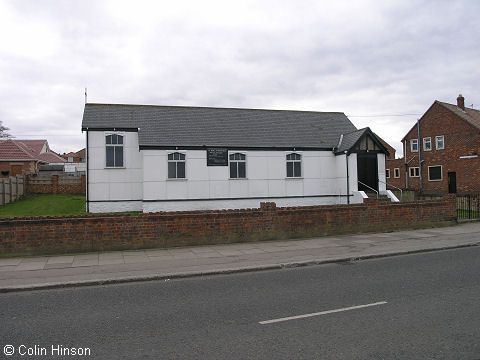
{"x":461,"y":102}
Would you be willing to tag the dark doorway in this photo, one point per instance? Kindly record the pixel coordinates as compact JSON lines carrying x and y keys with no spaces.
{"x":452,"y":183}
{"x":367,"y":171}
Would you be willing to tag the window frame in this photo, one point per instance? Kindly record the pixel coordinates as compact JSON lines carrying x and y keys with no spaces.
{"x":417,"y":170}
{"x":412,"y":141}
{"x":176,"y":162}
{"x":115,"y":146}
{"x":425,"y":139}
{"x":443,"y":142}
{"x":396,"y":173}
{"x":236,"y":162}
{"x":387,"y":173}
{"x":441,"y":172}
{"x":293,"y":161}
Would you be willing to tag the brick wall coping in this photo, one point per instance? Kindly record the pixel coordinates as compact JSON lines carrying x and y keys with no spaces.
{"x":195,"y":213}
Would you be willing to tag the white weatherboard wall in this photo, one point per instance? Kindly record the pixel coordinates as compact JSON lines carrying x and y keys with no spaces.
{"x":114,"y":189}
{"x":142,"y":184}
{"x":209,"y":187}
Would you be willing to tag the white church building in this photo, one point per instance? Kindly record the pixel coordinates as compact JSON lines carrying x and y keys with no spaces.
{"x":175,"y":158}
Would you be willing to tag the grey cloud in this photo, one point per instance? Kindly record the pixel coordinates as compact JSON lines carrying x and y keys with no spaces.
{"x":396,"y":57}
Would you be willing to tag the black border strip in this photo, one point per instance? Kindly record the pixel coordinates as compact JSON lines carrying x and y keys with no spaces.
{"x":110,"y":129}
{"x":204,"y":147}
{"x":238,"y":198}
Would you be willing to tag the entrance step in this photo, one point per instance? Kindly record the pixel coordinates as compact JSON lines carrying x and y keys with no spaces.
{"x":381,"y":197}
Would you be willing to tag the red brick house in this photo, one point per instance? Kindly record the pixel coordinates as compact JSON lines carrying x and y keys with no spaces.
{"x":448,"y":148}
{"x":75,"y":157}
{"x":18,"y":156}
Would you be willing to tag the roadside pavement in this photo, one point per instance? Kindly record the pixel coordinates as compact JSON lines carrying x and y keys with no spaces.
{"x":29,"y":273}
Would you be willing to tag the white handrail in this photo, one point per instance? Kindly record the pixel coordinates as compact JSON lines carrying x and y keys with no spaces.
{"x":401,"y":192}
{"x":368,"y":187}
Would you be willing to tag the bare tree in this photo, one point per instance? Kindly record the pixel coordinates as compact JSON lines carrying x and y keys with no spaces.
{"x":3,"y":132}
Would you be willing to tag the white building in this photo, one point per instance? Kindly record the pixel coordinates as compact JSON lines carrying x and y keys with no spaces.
{"x":170,"y":158}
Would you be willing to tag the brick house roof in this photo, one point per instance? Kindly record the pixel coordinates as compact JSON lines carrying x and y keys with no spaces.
{"x":51,"y":157}
{"x":27,"y":150}
{"x":12,"y":150}
{"x":81,"y":153}
{"x":470,"y":115}
{"x":36,"y":145}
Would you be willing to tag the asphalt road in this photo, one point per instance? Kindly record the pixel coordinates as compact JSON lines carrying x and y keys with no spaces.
{"x":424,"y":306}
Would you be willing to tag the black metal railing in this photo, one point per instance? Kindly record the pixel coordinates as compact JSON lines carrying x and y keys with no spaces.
{"x":468,"y":206}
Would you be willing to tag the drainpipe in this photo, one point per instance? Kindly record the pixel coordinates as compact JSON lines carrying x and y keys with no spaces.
{"x":86,"y":173}
{"x":419,"y":156}
{"x":406,"y":163}
{"x":348,"y":180}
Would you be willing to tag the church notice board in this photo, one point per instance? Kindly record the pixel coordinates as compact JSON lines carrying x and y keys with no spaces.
{"x":217,"y":157}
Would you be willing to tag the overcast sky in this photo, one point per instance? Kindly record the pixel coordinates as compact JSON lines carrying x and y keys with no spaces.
{"x":382,"y":63}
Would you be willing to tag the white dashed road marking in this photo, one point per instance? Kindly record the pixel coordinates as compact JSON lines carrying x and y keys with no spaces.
{"x":321,"y":313}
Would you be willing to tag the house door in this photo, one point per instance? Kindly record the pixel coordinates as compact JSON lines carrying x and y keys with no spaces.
{"x":452,"y":183}
{"x":367,"y":171}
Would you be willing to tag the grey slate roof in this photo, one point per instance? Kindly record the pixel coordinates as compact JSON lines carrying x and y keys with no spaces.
{"x":166,"y":126}
{"x":350,"y":139}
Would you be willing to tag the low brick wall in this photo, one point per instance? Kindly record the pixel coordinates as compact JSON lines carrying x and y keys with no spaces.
{"x":115,"y":232}
{"x":56,"y":185}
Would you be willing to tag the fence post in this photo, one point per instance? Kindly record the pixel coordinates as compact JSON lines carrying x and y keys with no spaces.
{"x":20,"y":185}
{"x":55,"y":184}
{"x":7,"y":190}
{"x":84,"y":184}
{"x":469,"y":207}
{"x":2,"y":192}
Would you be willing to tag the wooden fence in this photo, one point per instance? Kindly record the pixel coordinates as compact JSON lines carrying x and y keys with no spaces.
{"x":54,"y":184}
{"x":11,"y":188}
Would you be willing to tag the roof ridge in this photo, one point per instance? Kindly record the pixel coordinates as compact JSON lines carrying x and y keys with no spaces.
{"x":354,"y":131}
{"x":466,"y":108}
{"x":216,"y":108}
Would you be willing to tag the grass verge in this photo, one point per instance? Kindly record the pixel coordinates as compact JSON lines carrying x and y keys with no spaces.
{"x":45,"y":205}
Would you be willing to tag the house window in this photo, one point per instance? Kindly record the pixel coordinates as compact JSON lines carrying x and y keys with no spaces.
{"x":176,"y":165}
{"x":435,"y":173}
{"x":396,"y":173}
{"x":70,"y":159}
{"x":387,"y":173}
{"x":427,"y":144}
{"x":440,"y":142}
{"x":5,"y":173}
{"x":414,"y":145}
{"x":294,"y":165}
{"x":414,"y":172}
{"x":114,"y":149}
{"x":237,"y":166}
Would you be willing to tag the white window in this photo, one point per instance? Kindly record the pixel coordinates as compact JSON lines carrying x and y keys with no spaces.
{"x":427,"y":144}
{"x":294,"y":165}
{"x":70,"y":159}
{"x":114,"y":150}
{"x":414,"y":172}
{"x":440,"y":142}
{"x":396,"y":173}
{"x":387,"y":173}
{"x":414,"y":145}
{"x":238,"y":166}
{"x":176,"y":165}
{"x":435,"y":173}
